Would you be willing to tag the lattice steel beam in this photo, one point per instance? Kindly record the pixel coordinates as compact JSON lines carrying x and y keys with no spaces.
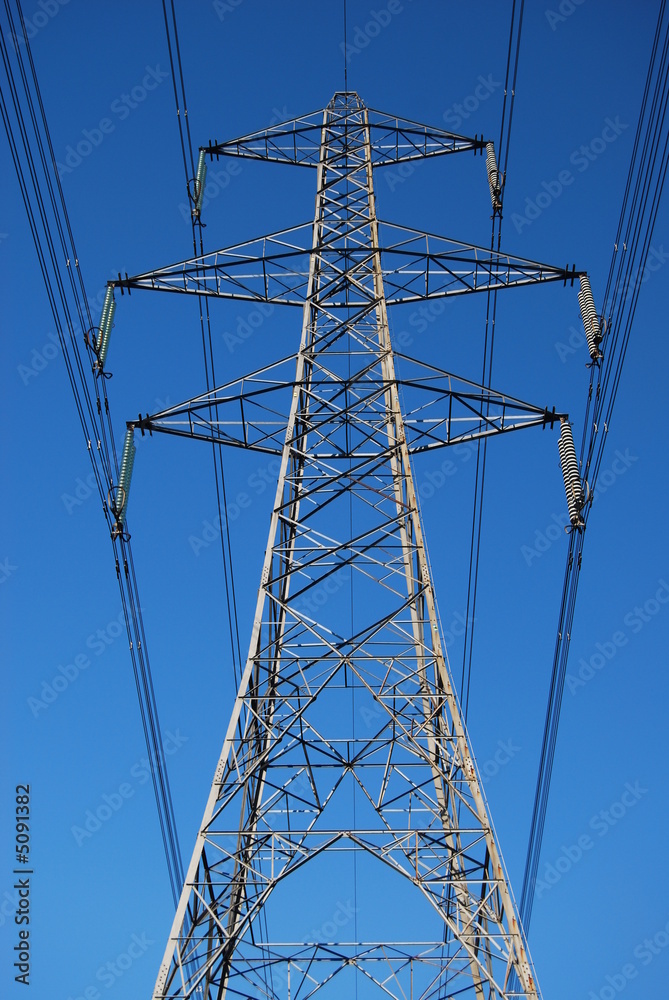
{"x":302,"y":782}
{"x":414,"y":266}
{"x":391,"y":139}
{"x":252,"y":412}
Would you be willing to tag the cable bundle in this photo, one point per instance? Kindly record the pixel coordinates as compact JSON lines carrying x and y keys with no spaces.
{"x":641,"y":200}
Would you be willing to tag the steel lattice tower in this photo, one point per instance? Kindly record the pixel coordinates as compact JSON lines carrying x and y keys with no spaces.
{"x":346,"y":761}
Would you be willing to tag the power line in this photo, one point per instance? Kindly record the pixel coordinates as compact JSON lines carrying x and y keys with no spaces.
{"x":513,"y":53}
{"x":640,"y":203}
{"x":172,"y":32}
{"x":35,"y":164}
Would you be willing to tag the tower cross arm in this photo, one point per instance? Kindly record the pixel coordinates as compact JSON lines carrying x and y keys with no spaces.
{"x":395,"y":140}
{"x":250,"y":412}
{"x":415,"y":266}
{"x":392,"y":140}
{"x":418,"y":266}
{"x":441,"y":409}
{"x":272,"y":268}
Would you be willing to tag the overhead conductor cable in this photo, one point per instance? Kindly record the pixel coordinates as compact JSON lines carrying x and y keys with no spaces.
{"x":32,"y":152}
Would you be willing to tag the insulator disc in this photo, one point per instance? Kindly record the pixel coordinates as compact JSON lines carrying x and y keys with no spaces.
{"x":493,"y":174}
{"x":127,"y":462}
{"x":590,"y":318}
{"x":570,"y":473}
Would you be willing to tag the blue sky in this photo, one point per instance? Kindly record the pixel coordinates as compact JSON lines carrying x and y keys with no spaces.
{"x":103,"y":72}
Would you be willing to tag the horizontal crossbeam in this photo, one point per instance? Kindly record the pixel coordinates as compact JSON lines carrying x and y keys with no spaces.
{"x":252,"y":412}
{"x":299,"y":140}
{"x":415,"y":266}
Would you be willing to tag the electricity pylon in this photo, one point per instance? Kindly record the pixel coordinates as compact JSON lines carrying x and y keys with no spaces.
{"x":346,"y":766}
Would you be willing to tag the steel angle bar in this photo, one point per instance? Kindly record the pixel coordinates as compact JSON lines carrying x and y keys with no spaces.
{"x":358,"y":551}
{"x":239,"y":271}
{"x":492,"y":428}
{"x":363,"y":388}
{"x":421,"y":266}
{"x":392,"y":140}
{"x":395,"y":652}
{"x":255,"y":390}
{"x":210,"y":431}
{"x":427,"y":266}
{"x":399,"y":143}
{"x":296,"y":142}
{"x":264,"y":431}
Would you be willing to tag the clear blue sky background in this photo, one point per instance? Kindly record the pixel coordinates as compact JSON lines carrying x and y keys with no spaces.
{"x":245,"y":65}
